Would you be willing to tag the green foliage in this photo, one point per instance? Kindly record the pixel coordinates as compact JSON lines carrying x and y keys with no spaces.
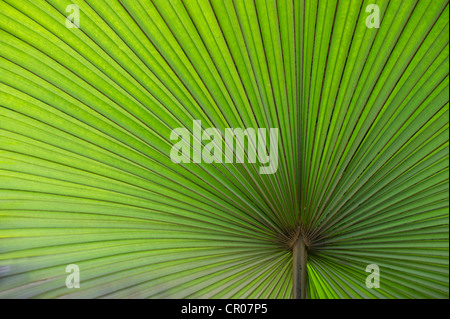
{"x":86,"y":178}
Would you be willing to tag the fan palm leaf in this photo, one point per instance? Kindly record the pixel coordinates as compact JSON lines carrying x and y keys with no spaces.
{"x":86,"y":177}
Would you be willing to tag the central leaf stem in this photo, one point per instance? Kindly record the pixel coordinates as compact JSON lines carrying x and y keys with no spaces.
{"x":299,"y":257}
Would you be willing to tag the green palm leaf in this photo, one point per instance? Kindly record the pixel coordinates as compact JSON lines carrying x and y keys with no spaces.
{"x":86,"y":177}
